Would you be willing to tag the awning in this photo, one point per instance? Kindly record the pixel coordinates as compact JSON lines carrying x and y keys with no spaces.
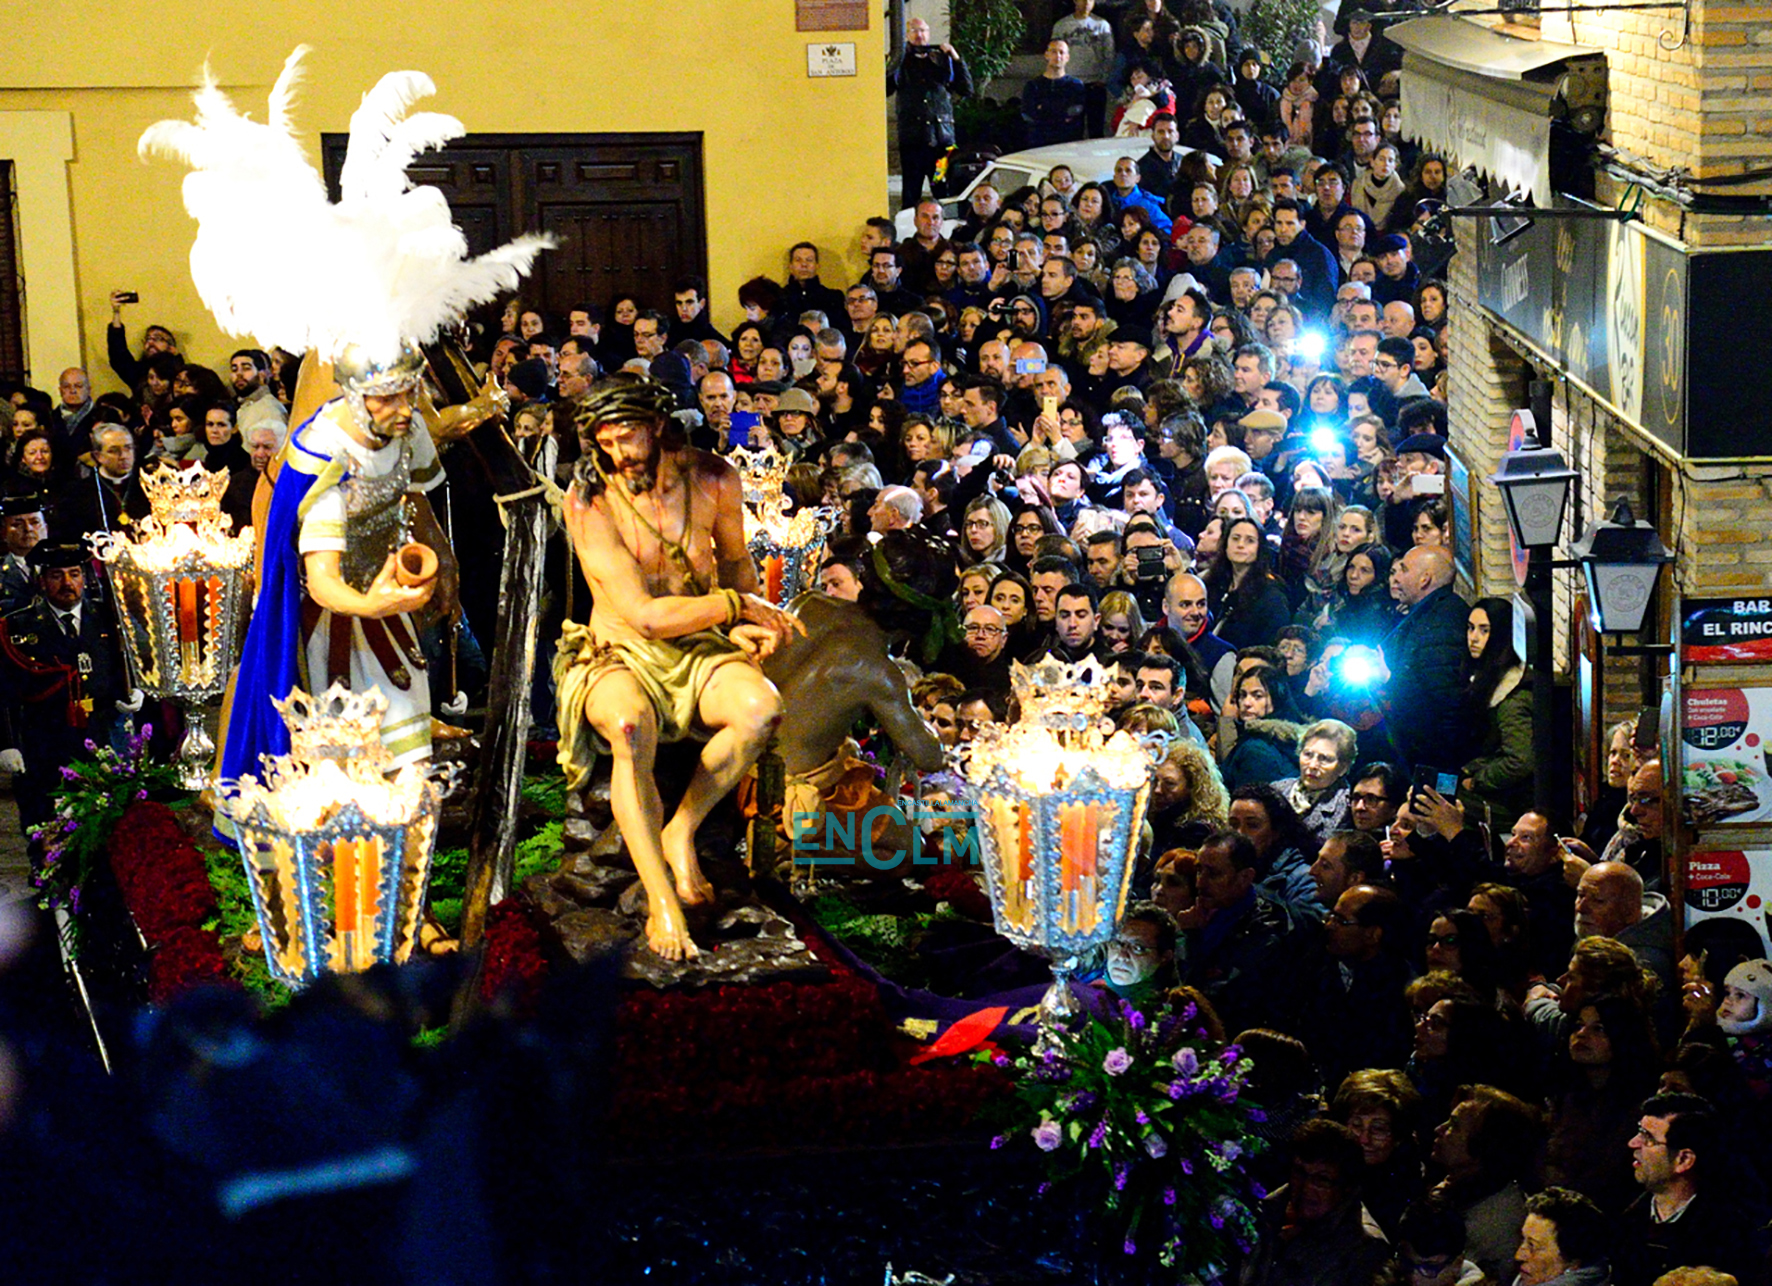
{"x":1486,"y":99}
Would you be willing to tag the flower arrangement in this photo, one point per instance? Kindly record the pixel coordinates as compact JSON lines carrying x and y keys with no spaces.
{"x":96,"y":791}
{"x":1147,"y":1115}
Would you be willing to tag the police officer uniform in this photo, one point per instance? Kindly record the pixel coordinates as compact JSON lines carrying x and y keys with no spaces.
{"x":18,"y":583}
{"x":61,"y":673}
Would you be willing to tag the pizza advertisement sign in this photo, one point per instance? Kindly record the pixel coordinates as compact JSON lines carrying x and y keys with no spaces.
{"x":1726,"y":631}
{"x":1728,"y":883}
{"x":1726,"y":755}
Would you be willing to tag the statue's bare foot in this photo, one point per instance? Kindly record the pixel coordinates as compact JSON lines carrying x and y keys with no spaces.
{"x":693,"y":888}
{"x":667,"y":933}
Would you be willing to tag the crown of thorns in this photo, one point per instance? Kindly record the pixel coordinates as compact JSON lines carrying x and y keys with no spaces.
{"x":624,"y":396}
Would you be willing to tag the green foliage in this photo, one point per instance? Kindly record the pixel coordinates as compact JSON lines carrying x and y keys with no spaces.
{"x":986,"y":34}
{"x":546,"y":793}
{"x":890,"y":943}
{"x":1274,"y":26}
{"x":97,"y":789}
{"x":234,"y":918}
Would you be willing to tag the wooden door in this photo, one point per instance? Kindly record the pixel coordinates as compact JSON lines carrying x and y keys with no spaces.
{"x":628,"y":209}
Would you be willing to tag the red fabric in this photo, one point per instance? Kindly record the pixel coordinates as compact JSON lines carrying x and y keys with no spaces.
{"x":165,"y":886}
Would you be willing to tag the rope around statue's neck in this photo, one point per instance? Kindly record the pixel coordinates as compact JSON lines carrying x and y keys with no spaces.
{"x":944,"y":623}
{"x":674,"y":550}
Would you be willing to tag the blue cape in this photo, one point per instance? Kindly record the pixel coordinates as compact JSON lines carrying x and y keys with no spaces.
{"x":270,"y":662}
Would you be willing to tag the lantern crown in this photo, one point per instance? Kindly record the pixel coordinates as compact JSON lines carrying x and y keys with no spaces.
{"x":337,"y":724}
{"x":191,"y":496}
{"x":1065,"y":698}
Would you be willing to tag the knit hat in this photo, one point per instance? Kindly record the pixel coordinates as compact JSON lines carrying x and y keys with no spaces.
{"x":1754,"y":977}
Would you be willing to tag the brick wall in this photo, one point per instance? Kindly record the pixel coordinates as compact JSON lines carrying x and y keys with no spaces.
{"x":1705,"y":106}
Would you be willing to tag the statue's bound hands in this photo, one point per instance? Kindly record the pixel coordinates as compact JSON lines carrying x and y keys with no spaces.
{"x":760,"y":612}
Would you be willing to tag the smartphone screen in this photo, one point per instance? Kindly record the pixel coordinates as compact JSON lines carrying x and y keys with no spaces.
{"x":739,"y":435}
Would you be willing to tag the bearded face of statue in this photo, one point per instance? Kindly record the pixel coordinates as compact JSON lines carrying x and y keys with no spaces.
{"x":631,"y":448}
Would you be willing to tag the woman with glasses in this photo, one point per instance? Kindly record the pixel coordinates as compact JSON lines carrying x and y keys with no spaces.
{"x":944,"y":270}
{"x":984,"y":531}
{"x":1132,"y":293}
{"x":1383,"y":1110}
{"x":1027,"y":524}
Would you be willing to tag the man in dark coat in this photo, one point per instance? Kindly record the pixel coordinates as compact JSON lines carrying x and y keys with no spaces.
{"x":925,"y":80}
{"x":1242,"y":957}
{"x":61,"y":673}
{"x":1425,"y":655}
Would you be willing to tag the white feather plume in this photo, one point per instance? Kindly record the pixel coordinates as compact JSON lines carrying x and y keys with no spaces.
{"x":274,"y":258}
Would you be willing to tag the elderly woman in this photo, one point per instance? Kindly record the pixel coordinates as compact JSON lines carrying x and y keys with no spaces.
{"x":1563,"y":1241}
{"x":1383,"y":1110}
{"x":1320,"y":792}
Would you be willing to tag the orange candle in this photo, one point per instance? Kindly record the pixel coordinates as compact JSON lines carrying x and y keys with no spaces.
{"x":186,"y":591}
{"x":773,"y":573}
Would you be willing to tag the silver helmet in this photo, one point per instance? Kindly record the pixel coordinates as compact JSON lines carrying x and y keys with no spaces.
{"x":363,"y":372}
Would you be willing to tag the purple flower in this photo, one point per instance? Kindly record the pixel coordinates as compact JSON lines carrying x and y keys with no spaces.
{"x":1120,"y":1174}
{"x":1259,"y":1189}
{"x":1217,"y":1219}
{"x":141,"y":794}
{"x":1186,"y":1061}
{"x":1098,"y":1135}
{"x":1168,"y":1196}
{"x":1140,"y":1117}
{"x":1230,"y":1055}
{"x":68,"y":774}
{"x":1131,"y":1247}
{"x":1043,"y":1189}
{"x":1047,"y":1136}
{"x":1257,"y":1115}
{"x":1230,"y":1150}
{"x":1177,"y":1089}
{"x":1135,"y":1019}
{"x":997,"y":1060}
{"x":1187,"y":1014}
{"x":999,"y":1141}
{"x":1154,"y":1144}
{"x":1187,"y":1167}
{"x":1117,"y":1061}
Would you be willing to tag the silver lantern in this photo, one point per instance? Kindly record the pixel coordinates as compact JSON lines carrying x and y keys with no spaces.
{"x":337,"y":844}
{"x":1060,"y":798}
{"x":181,"y":585}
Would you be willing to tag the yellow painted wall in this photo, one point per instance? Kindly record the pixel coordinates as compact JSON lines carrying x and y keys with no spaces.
{"x":785,"y":156}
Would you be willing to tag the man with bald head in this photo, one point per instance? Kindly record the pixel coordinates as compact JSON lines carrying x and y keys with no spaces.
{"x":1424,"y":656}
{"x":75,"y":410}
{"x":1610,"y":903}
{"x":1185,"y":610}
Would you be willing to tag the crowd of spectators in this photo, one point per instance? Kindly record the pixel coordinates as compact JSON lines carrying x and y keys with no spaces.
{"x":1191,"y":423}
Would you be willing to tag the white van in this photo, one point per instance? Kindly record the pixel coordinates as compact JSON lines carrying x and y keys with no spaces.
{"x":1091,"y":160}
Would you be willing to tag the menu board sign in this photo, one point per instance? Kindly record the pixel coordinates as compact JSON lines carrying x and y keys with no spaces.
{"x":1725,"y":767}
{"x":1726,"y":631}
{"x":1733,"y":884}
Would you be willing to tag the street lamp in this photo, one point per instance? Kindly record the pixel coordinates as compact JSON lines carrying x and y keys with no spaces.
{"x":1621,"y":560}
{"x":1535,"y":482}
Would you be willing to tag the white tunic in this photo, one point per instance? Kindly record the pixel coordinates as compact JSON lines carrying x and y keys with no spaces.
{"x":406,"y":728}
